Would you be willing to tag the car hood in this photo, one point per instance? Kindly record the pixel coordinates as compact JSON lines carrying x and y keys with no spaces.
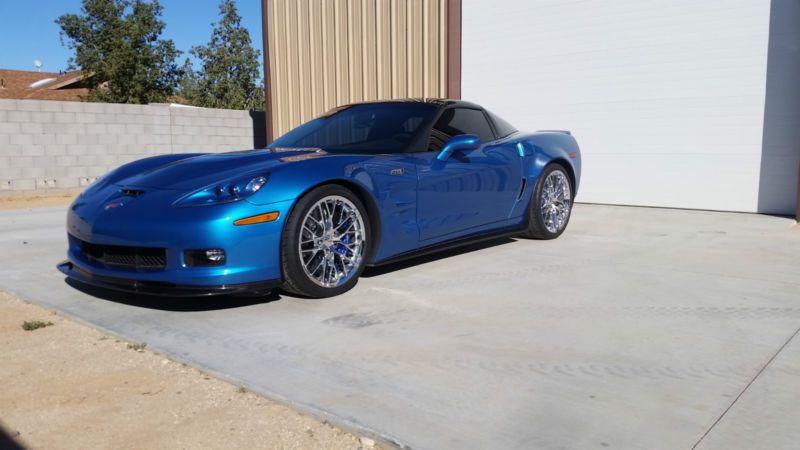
{"x":196,"y":172}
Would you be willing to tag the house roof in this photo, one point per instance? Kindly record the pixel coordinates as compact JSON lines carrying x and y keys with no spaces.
{"x":22,"y":84}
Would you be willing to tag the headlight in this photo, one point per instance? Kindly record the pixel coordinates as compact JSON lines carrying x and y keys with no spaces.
{"x":227,"y":192}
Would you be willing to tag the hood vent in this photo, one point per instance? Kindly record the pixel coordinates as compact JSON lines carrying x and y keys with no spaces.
{"x":294,"y":149}
{"x":131,"y":192}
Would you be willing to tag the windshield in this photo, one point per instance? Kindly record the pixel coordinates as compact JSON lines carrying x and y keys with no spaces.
{"x":390,"y":127}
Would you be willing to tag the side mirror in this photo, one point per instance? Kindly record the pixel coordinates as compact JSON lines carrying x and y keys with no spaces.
{"x":458,"y":143}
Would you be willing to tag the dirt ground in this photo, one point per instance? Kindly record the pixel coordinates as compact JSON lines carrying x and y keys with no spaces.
{"x":35,"y":202}
{"x":70,"y":386}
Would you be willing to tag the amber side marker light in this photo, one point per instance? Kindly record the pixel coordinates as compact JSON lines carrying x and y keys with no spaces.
{"x":268,"y":217}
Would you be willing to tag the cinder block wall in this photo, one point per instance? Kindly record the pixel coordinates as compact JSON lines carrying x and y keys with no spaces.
{"x":53,"y":146}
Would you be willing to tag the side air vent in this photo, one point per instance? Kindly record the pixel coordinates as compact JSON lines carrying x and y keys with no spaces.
{"x":522,"y":188}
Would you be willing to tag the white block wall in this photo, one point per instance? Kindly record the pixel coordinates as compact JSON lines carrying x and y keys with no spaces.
{"x":665,"y":97}
{"x":64,"y":145}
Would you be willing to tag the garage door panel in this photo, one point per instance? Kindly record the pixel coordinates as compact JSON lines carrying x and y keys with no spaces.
{"x":638,"y":179}
{"x":657,"y":90}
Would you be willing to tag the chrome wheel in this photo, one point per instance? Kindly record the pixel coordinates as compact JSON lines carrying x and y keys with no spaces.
{"x":556,"y":201}
{"x":332,"y":241}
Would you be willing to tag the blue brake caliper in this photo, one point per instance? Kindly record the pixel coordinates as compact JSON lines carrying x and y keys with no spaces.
{"x":341,"y":249}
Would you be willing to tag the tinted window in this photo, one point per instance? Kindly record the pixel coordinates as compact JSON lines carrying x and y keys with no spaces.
{"x":455,"y":121}
{"x":502,"y":127}
{"x":366,"y":128}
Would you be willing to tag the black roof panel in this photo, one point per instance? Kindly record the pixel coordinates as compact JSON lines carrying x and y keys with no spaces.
{"x":441,"y":102}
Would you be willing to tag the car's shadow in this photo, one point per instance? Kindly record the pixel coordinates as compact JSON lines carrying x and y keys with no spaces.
{"x":220,"y":302}
{"x":166,"y":303}
{"x":7,"y":442}
{"x":431,"y":257}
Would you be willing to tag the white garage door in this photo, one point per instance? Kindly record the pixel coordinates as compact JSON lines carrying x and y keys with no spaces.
{"x":665,"y":97}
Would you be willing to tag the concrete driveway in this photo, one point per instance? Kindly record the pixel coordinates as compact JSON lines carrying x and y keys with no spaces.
{"x":638,"y":328}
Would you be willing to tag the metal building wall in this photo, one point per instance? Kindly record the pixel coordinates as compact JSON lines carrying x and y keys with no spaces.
{"x":324,"y":53}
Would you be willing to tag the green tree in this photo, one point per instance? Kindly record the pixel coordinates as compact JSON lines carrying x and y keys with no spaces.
{"x":117,"y":45}
{"x":188,"y":82}
{"x":229,"y":77}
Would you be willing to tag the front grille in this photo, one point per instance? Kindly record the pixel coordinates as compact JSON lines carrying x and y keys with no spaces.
{"x":146,"y":258}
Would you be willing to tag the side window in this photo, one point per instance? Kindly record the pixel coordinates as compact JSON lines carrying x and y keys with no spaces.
{"x":502,"y":127}
{"x":455,"y":121}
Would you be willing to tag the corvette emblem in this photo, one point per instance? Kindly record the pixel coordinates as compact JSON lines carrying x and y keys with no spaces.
{"x":112,"y":205}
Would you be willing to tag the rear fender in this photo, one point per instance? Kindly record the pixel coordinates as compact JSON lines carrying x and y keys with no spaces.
{"x":539,"y":150}
{"x":543,"y":148}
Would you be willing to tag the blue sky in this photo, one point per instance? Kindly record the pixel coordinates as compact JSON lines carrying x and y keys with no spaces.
{"x":28,"y":30}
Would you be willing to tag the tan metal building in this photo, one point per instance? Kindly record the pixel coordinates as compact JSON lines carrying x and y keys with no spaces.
{"x":319,"y":54}
{"x":709,"y":102}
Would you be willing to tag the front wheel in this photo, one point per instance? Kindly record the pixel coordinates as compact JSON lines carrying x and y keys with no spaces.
{"x":324,"y":243}
{"x":551,"y":204}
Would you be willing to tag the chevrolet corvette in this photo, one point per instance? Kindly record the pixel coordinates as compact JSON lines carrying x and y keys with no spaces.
{"x":364,"y":184}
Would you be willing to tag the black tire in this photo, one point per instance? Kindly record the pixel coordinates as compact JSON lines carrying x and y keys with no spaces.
{"x":537,"y":228}
{"x":295,"y":278}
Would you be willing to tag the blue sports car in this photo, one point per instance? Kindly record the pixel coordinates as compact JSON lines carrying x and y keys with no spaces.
{"x":365,"y":184}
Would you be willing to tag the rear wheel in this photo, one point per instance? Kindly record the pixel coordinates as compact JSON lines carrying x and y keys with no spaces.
{"x":551,"y":204}
{"x":324,"y":243}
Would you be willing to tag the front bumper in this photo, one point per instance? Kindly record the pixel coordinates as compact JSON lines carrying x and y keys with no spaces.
{"x":162,"y":288}
{"x":252,"y":251}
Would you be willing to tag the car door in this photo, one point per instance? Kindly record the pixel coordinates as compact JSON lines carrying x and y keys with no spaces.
{"x":471,"y":188}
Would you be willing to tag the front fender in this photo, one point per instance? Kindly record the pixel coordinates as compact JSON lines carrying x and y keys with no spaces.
{"x":385,"y":183}
{"x":291,"y":181}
